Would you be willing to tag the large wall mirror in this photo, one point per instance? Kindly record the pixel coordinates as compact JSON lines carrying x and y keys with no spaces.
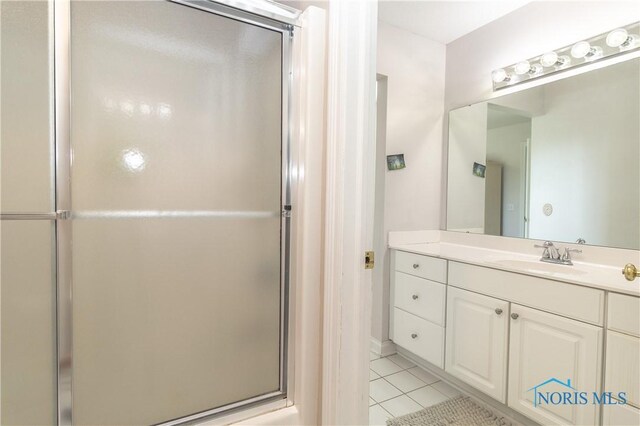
{"x":557,"y":162}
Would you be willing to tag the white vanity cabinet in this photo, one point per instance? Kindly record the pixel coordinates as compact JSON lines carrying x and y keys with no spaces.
{"x":507,"y":334}
{"x":544,"y":347}
{"x":476,"y":344}
{"x":542,"y":344}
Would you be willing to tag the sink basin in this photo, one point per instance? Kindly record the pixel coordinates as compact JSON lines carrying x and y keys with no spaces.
{"x":540,"y":267}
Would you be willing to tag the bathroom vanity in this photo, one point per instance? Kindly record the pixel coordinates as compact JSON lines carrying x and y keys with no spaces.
{"x":507,"y":316}
{"x":503,"y":323}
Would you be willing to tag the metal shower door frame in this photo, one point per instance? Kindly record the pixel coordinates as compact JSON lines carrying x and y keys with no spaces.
{"x":63,"y":216}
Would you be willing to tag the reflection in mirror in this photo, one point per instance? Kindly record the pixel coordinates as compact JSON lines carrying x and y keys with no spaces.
{"x":561,"y":161}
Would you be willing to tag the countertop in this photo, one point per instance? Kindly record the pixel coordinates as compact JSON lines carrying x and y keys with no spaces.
{"x":602,"y":277}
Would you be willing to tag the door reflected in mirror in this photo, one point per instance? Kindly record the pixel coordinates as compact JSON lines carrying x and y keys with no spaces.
{"x":561,"y":161}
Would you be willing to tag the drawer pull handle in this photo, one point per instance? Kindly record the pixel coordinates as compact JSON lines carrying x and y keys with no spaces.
{"x":514,"y":316}
{"x":414,"y":297}
{"x":416,"y":265}
{"x":414,"y":336}
{"x":498,"y":311}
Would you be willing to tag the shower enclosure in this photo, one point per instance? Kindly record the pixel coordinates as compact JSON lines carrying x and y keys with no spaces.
{"x":145,"y":211}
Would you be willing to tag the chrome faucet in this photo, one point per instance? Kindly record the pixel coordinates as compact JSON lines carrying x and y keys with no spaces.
{"x":552,"y":255}
{"x":550,"y":252}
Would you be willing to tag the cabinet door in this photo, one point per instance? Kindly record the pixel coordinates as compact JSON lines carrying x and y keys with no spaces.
{"x":623,"y":353}
{"x":547,"y":353}
{"x":477,"y":328}
{"x":620,"y":415}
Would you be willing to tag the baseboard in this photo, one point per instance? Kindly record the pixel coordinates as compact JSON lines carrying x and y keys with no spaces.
{"x":385,"y":348}
{"x":479,"y":397}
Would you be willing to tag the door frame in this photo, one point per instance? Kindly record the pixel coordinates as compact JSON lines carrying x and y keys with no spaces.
{"x":349,"y":208}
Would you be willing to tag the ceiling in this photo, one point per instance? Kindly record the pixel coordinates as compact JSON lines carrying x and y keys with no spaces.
{"x":444,"y":21}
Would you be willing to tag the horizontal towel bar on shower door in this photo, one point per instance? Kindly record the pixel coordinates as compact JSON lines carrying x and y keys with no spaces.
{"x":175,"y":214}
{"x":29,"y":216}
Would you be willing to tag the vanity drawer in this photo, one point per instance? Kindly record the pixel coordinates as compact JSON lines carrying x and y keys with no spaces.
{"x":419,"y":336}
{"x":420,"y":297}
{"x":623,"y":370}
{"x":624,"y":313}
{"x":431,"y":268}
{"x":574,"y":301}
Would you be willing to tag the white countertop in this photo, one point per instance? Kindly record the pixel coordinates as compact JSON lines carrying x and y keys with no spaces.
{"x":598,"y":276}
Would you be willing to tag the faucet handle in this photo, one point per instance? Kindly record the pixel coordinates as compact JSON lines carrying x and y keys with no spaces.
{"x":567,"y":253}
{"x":546,"y":254}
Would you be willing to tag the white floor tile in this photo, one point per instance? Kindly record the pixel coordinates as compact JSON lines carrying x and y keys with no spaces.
{"x":373,"y":355}
{"x":371,"y":402}
{"x":423,"y":375}
{"x":405,"y":381}
{"x":384,"y":367}
{"x":378,"y":416}
{"x":401,"y":361}
{"x":427,"y":396}
{"x":381,"y":390}
{"x":446,"y":389}
{"x":400,"y":406}
{"x":373,"y":375}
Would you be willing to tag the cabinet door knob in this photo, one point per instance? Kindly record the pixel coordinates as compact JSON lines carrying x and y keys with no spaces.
{"x":630,"y":272}
{"x":514,"y":316}
{"x":416,"y":265}
{"x":414,"y":336}
{"x":414,"y":297}
{"x":498,"y":311}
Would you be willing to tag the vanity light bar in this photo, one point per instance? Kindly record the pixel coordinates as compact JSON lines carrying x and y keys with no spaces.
{"x":615,"y":42}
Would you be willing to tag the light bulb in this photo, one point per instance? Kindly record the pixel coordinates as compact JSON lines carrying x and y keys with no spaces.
{"x":580,"y":49}
{"x":522,"y":67}
{"x":622,"y":39}
{"x":499,"y":76}
{"x":164,"y":110}
{"x":617,"y":37}
{"x":133,"y":160}
{"x":549,"y":59}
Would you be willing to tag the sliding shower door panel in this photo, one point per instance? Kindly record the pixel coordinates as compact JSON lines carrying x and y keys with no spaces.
{"x":176,"y":186}
{"x":27,"y":282}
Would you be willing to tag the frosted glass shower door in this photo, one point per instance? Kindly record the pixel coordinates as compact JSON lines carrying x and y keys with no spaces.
{"x":176,"y":183}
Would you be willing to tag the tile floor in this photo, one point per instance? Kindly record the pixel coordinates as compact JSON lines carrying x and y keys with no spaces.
{"x":398,"y":387}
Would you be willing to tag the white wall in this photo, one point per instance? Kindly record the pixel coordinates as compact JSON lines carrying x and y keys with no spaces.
{"x":584,"y":159}
{"x":415,"y":67}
